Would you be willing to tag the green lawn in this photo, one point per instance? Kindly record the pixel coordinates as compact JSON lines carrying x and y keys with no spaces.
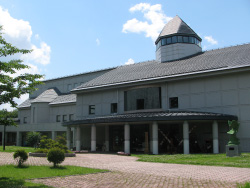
{"x":10,"y":175}
{"x":14,"y":148}
{"x":199,"y":159}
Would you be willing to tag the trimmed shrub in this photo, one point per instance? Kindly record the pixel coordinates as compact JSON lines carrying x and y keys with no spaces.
{"x":61,"y":139}
{"x":42,"y":150}
{"x":55,"y":156}
{"x":33,"y":139}
{"x":47,"y":143}
{"x":20,"y":156}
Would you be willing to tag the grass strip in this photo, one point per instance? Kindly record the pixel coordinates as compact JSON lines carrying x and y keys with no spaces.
{"x":242,"y":161}
{"x":10,"y":149}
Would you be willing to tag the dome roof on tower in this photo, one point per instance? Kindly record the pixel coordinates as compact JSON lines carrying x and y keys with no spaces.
{"x":176,"y":26}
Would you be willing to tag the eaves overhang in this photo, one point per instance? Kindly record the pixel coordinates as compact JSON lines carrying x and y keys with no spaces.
{"x":153,"y":116}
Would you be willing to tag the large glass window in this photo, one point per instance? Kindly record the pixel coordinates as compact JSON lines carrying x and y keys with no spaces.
{"x":144,"y":98}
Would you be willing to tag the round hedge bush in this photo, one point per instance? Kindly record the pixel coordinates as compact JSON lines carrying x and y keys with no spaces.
{"x":20,"y":156}
{"x":55,"y":156}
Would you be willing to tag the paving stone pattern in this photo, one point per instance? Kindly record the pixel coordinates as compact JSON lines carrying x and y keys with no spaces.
{"x":127,"y":172}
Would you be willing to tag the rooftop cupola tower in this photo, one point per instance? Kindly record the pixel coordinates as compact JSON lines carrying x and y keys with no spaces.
{"x":176,"y":40}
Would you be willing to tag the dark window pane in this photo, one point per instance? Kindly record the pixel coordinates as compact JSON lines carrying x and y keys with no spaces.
{"x":180,"y":39}
{"x":185,"y":39}
{"x":58,"y":118}
{"x":139,"y":104}
{"x":114,"y":108}
{"x":173,"y":102}
{"x":169,"y":40}
{"x":174,"y":39}
{"x":163,"y":42}
{"x":91,"y":109}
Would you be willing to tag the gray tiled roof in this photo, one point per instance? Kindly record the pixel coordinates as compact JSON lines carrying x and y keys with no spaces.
{"x":47,"y":96}
{"x":176,"y":26}
{"x":62,"y":99}
{"x":25,"y":104}
{"x":154,"y":116}
{"x":209,"y":60}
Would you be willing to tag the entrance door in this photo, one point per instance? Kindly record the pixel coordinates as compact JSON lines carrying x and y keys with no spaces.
{"x":116,"y":136}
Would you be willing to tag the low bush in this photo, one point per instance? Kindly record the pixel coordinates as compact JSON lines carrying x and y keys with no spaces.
{"x":47,"y":143}
{"x":20,"y":156}
{"x":33,"y":139}
{"x":40,"y":150}
{"x":55,"y":156}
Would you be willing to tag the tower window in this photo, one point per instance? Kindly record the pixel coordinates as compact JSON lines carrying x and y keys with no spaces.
{"x":180,"y":39}
{"x":174,"y":39}
{"x":169,"y":40}
{"x":173,"y":102}
{"x":185,"y":39}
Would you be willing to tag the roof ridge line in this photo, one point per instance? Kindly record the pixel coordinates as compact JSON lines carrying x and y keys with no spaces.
{"x":226,"y":47}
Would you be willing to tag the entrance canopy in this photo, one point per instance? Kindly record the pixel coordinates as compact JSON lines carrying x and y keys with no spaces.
{"x":153,"y":116}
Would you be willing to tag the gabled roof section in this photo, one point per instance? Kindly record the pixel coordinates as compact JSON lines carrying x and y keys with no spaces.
{"x":214,"y":60}
{"x":176,"y":26}
{"x":47,"y":96}
{"x":64,"y":99}
{"x":25,"y":104}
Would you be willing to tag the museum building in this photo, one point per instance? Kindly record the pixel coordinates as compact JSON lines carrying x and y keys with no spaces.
{"x":178,"y":103}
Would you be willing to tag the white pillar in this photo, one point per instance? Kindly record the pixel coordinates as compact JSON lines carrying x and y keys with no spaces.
{"x":150,"y":138}
{"x":68,"y":137}
{"x":215,"y":137}
{"x":155,"y":137}
{"x":127,"y":138}
{"x":93,"y":137}
{"x":18,"y":138}
{"x":74,"y":137}
{"x":78,"y":138}
{"x":185,"y":138}
{"x":107,"y":137}
{"x":53,"y":135}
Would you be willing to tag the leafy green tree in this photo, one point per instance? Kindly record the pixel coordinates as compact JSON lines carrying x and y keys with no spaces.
{"x":56,"y":156}
{"x":13,"y":87}
{"x":7,"y":119}
{"x":21,"y":156}
{"x":33,"y":139}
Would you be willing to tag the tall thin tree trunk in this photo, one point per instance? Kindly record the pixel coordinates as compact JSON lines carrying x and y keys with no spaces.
{"x":4,"y":137}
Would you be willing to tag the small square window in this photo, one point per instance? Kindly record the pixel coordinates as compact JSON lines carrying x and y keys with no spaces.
{"x":58,"y":118}
{"x":71,"y":117}
{"x":140,"y":104}
{"x":69,"y":87}
{"x":91,"y":109}
{"x":173,"y":102}
{"x":25,"y":120}
{"x":113,"y":107}
{"x":64,"y":117}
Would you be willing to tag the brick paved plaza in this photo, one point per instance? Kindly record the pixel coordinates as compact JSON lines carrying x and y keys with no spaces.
{"x":127,"y":172}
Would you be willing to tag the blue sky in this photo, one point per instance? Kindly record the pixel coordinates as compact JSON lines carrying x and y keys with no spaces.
{"x":70,"y":37}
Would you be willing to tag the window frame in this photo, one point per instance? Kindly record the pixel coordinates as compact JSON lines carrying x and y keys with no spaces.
{"x":71,"y":117}
{"x":25,"y":120}
{"x":113,"y":108}
{"x":58,"y":118}
{"x":173,"y":102}
{"x":91,"y":109}
{"x":64,"y":118}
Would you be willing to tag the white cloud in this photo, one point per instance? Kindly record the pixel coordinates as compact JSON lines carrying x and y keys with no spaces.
{"x":155,"y":20}
{"x":211,"y":40}
{"x":19,"y":32}
{"x":130,"y":62}
{"x":97,"y":42}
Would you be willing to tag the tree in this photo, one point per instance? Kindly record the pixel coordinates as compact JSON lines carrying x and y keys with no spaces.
{"x":55,"y":156}
{"x":7,"y":119}
{"x":12,"y":87}
{"x":33,"y":139}
{"x":21,"y":156}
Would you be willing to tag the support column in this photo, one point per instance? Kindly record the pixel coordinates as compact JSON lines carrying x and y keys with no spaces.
{"x":93,"y":137}
{"x":185,"y":137}
{"x":215,"y":137}
{"x":53,"y":135}
{"x":18,"y":138}
{"x":78,"y":138}
{"x":155,"y":137}
{"x":2,"y":138}
{"x":150,"y":139}
{"x":107,"y":137}
{"x":74,"y":137}
{"x":127,"y":138}
{"x":68,"y":137}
